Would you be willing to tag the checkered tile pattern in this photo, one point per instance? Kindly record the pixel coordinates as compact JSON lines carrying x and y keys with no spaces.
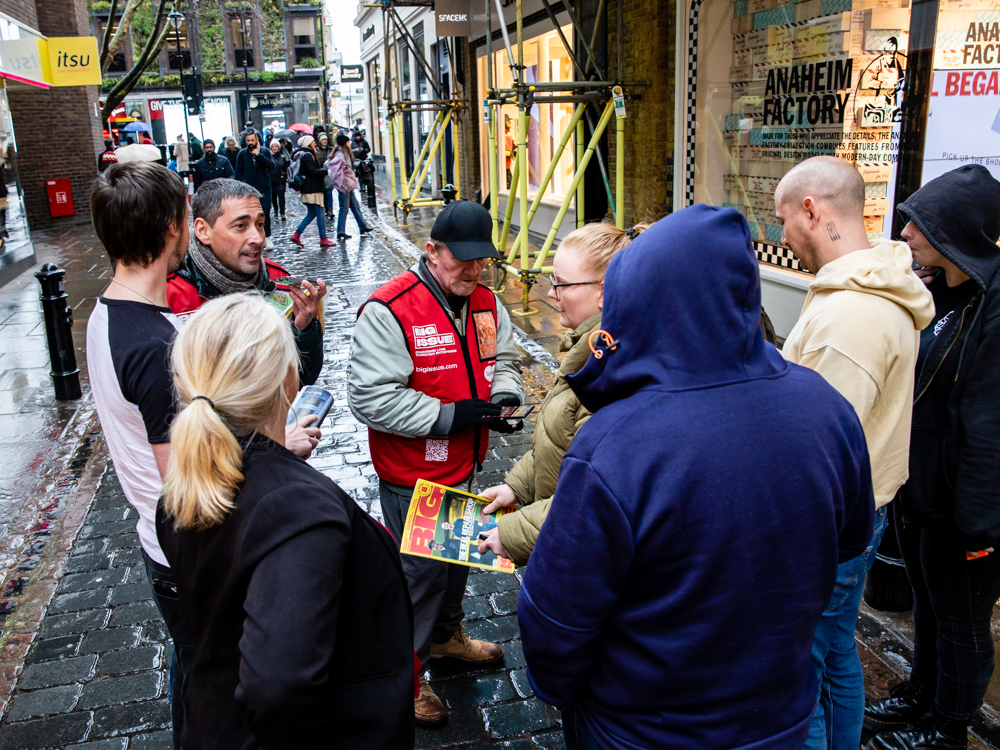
{"x":692,"y":101}
{"x":776,"y":255}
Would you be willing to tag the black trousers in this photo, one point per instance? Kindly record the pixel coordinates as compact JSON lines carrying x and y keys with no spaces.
{"x":953,"y":602}
{"x":265,"y":203}
{"x":161,"y":578}
{"x":278,"y":202}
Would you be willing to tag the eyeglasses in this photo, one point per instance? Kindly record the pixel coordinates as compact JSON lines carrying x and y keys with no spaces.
{"x":557,"y":285}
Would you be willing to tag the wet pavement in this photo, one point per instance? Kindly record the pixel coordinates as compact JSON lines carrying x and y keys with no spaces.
{"x":94,"y":651}
{"x":84,"y":655}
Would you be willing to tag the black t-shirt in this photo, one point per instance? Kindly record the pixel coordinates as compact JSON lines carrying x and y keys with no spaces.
{"x":948,"y":302}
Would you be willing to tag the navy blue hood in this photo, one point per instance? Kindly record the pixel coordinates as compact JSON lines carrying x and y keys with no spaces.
{"x":702,"y":332}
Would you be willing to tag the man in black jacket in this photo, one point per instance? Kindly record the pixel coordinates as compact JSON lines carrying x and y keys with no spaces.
{"x":947,"y":514}
{"x":253,"y":166}
{"x":211,"y":166}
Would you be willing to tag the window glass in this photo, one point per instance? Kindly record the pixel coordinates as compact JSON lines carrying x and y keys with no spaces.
{"x":778,"y":82}
{"x":966,"y":90}
{"x":304,"y":30}
{"x":545,"y":60}
{"x":242,"y":41}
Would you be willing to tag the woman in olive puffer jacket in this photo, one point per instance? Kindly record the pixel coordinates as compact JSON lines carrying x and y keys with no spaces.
{"x":577,"y":290}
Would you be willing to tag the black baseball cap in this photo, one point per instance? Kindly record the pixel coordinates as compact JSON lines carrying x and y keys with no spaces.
{"x":466,"y":228}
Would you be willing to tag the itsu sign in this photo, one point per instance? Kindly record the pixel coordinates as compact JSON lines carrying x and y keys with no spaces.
{"x":452,"y":17}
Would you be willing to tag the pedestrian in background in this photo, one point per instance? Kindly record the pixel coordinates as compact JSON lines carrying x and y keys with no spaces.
{"x":253,"y":167}
{"x":340,"y":167}
{"x":211,"y":166}
{"x":429,"y":411}
{"x":285,"y":580}
{"x":947,"y":515}
{"x":323,"y":153}
{"x":577,"y":291}
{"x":140,"y":213}
{"x":196,"y":147}
{"x":107,"y":157}
{"x":279,"y":179}
{"x":859,"y":329}
{"x":231,"y":151}
{"x":312,"y":190}
{"x":693,"y":540}
{"x":180,"y":151}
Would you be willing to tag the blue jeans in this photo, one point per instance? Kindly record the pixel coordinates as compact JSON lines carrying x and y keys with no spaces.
{"x":313,"y":211}
{"x":836,"y":724}
{"x":349,"y":200}
{"x":328,"y":200}
{"x":578,"y":737}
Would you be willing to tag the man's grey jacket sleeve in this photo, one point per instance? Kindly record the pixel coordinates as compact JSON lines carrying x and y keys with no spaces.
{"x":378,"y":371}
{"x":507,"y":376}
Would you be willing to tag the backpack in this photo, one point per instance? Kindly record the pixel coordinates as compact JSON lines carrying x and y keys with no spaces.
{"x":296,"y":180}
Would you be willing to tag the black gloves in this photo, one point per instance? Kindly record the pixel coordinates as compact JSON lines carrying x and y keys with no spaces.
{"x":474,"y":411}
{"x":508,"y":401}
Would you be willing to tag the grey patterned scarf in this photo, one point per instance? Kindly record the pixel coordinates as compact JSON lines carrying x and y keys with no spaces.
{"x":224,"y":279}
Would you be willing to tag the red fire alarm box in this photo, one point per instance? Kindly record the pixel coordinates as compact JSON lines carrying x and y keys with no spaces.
{"x":60,"y":197}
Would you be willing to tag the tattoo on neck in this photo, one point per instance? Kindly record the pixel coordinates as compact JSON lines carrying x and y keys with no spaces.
{"x":832,"y":229}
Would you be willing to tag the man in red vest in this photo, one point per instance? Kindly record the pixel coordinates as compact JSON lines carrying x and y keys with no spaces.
{"x":432,"y":361}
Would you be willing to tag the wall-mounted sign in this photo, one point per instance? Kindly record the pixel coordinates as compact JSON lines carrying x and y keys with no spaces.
{"x":964,"y":122}
{"x":351,"y":73}
{"x":452,"y":17}
{"x":73,"y":61}
{"x":368,"y":33}
{"x":24,"y":59}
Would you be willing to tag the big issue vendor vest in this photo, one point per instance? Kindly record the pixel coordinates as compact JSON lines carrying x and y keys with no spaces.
{"x":447,"y":366}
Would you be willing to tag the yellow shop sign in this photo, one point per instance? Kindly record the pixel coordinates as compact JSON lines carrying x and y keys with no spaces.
{"x":72,"y":61}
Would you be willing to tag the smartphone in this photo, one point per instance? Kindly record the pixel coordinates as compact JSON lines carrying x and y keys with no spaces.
{"x":311,"y":400}
{"x":289,"y":281}
{"x":516,"y":412}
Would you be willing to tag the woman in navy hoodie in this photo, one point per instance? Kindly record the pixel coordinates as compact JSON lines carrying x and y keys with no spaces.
{"x":700,"y":514}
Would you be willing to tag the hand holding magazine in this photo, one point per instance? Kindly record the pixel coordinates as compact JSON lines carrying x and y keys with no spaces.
{"x":445,"y":524}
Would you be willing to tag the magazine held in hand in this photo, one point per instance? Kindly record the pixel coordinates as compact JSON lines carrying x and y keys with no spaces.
{"x":445,"y":524}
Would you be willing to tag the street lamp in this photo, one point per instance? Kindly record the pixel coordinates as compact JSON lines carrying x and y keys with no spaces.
{"x":175,"y":19}
{"x":243,"y":42}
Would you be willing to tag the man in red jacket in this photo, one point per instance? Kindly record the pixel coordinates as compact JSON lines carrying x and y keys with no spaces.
{"x":226,"y":256}
{"x":432,"y":361}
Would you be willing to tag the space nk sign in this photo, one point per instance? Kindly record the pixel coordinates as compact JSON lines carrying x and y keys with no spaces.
{"x":452,"y":17}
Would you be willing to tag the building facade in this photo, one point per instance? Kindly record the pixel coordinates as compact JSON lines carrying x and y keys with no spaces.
{"x":261,"y":61}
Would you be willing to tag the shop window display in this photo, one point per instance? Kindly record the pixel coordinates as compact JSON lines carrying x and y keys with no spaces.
{"x":776,"y":82}
{"x":545,"y":60}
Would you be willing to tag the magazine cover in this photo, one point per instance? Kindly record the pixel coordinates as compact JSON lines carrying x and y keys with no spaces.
{"x":445,"y":524}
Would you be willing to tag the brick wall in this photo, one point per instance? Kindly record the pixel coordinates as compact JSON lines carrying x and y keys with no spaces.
{"x":21,"y":10}
{"x":57,"y":132}
{"x":468,"y":127}
{"x":649,"y":54}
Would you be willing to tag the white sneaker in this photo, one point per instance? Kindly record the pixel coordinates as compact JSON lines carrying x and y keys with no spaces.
{"x":268,"y":245}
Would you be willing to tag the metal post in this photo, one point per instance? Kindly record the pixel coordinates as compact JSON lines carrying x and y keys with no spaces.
{"x":458,"y":175}
{"x":620,"y":173}
{"x":579,"y":191}
{"x":578,"y":178}
{"x":391,"y":162}
{"x":522,"y":156}
{"x":508,"y":213}
{"x":494,"y":198}
{"x":402,"y":156}
{"x":553,"y":165}
{"x":423,"y":153}
{"x":59,"y":332}
{"x":427,"y":163}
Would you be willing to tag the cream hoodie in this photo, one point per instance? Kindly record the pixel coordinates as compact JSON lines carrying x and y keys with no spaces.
{"x":859,"y":329}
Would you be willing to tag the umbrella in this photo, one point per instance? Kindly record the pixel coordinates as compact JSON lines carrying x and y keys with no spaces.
{"x":301,"y":127}
{"x":137,"y":152}
{"x":288,"y":133}
{"x":138,"y":125}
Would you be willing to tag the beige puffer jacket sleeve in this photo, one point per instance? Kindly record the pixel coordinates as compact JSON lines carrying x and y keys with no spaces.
{"x":534,"y":477}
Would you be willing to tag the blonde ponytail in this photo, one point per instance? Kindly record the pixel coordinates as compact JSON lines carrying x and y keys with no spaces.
{"x":230,"y":364}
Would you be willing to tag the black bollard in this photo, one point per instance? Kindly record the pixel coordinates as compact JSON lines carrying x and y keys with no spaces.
{"x":448,"y":192}
{"x":59,"y":332}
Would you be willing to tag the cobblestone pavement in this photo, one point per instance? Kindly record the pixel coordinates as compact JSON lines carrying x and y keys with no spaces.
{"x":97,"y":674}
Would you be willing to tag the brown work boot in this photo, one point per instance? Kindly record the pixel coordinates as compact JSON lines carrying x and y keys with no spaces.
{"x":428,"y":708}
{"x":461,"y":646}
